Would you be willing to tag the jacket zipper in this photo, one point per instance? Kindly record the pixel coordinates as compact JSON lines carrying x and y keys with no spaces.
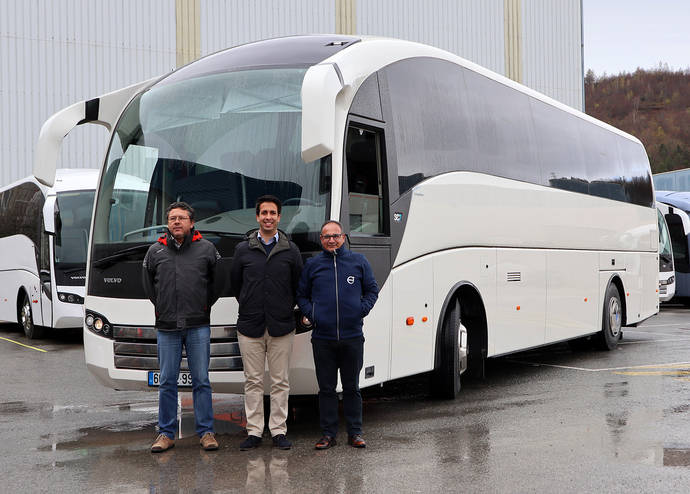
{"x":337,"y":302}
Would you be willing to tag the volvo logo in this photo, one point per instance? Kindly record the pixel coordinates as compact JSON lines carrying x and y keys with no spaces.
{"x":112,"y":280}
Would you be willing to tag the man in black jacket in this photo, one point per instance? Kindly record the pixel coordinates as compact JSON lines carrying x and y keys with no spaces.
{"x":264,"y":276}
{"x":178,"y":278}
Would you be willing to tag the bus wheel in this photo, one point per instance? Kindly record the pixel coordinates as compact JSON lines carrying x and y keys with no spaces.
{"x":26,"y":319}
{"x":612,"y":319}
{"x":453,"y":355}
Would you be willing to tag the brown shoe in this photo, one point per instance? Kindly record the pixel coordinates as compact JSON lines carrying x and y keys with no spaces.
{"x":162,"y":443}
{"x":356,"y":441}
{"x":325,"y":442}
{"x":208,"y":442}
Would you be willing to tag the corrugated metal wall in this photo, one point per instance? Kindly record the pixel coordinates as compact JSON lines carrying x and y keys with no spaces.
{"x":552,"y":41}
{"x":226,"y":23}
{"x":54,"y":53}
{"x":472,"y":29}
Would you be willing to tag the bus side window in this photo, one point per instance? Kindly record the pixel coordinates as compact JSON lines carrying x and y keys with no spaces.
{"x":364,"y":181}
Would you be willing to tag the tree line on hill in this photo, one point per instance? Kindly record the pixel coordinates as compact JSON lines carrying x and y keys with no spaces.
{"x":653,"y":105}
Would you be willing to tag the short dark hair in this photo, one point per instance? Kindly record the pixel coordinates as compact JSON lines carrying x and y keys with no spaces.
{"x":268,"y":198}
{"x":331,"y":221}
{"x":180,"y":205}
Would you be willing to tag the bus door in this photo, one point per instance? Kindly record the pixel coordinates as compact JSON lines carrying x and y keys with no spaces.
{"x":45,"y":256}
{"x":365,"y":216}
{"x":680,"y":241}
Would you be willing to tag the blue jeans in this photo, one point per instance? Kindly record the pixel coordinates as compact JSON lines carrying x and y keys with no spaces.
{"x":348,"y":357}
{"x":197,"y":343}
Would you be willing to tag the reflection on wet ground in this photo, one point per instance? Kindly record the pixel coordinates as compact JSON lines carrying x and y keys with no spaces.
{"x":547,"y":420}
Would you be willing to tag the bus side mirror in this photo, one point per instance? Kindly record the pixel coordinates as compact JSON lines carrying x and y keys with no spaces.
{"x":320,"y":88}
{"x":50,"y":215}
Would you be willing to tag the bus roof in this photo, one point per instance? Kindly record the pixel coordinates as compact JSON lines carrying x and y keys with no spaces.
{"x":680,"y":200}
{"x":75,"y":179}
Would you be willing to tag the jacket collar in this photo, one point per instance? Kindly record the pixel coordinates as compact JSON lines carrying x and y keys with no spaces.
{"x":168,"y":238}
{"x":254,"y":242}
{"x":339,"y":252}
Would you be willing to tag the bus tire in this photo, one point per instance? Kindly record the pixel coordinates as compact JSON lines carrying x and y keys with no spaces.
{"x":612,"y":319}
{"x":25,"y":318}
{"x":453,"y":355}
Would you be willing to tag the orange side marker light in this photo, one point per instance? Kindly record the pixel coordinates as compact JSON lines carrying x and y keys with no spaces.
{"x":517,"y":308}
{"x":409,"y":321}
{"x":425,"y":319}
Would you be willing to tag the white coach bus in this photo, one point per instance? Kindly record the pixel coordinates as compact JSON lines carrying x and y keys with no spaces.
{"x":44,"y":234}
{"x":495,"y":218}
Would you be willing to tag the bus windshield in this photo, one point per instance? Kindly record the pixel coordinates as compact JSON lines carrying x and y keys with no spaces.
{"x":217,"y":142}
{"x":72,"y":236}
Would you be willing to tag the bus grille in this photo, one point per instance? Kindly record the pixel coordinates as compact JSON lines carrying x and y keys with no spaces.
{"x":135,"y":348}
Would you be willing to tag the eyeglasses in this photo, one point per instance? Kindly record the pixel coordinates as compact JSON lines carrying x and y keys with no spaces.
{"x":333,"y":236}
{"x":172,"y":219}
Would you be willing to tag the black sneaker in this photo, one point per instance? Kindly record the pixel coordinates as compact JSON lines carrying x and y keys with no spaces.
{"x":281,"y":442}
{"x":250,"y":443}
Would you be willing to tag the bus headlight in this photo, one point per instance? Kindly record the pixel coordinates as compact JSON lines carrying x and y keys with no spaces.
{"x":70,"y":298}
{"x":669,"y":281}
{"x":98,"y":324}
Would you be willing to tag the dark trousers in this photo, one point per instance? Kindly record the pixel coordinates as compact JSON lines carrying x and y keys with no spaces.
{"x":348,"y":356}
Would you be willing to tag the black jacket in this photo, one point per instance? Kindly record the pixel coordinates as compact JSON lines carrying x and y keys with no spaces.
{"x":265,"y":285}
{"x":179,"y":282}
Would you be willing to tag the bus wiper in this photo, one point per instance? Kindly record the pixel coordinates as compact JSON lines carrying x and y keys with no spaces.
{"x":74,"y":270}
{"x":665,"y":258}
{"x":220,"y":233}
{"x":119,"y":254}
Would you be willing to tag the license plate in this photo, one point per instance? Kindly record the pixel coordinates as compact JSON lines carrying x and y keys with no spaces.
{"x":184,"y":380}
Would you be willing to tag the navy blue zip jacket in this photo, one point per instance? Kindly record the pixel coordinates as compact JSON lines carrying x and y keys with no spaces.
{"x":335,"y":292}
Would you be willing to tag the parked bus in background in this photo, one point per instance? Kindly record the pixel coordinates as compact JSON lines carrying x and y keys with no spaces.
{"x":495,"y":218}
{"x":44,"y":233}
{"x":677,"y":215}
{"x":667,"y":279}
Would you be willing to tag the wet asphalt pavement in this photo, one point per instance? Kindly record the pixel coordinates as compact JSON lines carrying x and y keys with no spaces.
{"x":550,"y":420}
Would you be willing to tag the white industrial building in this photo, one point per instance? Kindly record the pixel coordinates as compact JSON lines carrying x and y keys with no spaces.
{"x":54,"y":53}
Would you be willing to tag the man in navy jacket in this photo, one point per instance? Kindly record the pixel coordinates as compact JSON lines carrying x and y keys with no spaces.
{"x":336,"y":291}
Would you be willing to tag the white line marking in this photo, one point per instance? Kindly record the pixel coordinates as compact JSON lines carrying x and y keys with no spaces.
{"x":652,"y":332}
{"x":646,"y":366}
{"x":651,"y":341}
{"x":663,"y":325}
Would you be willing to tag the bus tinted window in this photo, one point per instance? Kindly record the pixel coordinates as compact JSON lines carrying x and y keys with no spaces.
{"x":449,"y":118}
{"x":505,"y":144}
{"x":560,"y":152}
{"x":433,"y":130}
{"x":638,"y":189}
{"x":21,"y":208}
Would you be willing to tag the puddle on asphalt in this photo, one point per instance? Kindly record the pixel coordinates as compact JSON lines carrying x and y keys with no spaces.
{"x":229,"y":418}
{"x":616,"y":389}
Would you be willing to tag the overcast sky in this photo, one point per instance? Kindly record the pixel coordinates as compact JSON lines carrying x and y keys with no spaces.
{"x":622,"y":35}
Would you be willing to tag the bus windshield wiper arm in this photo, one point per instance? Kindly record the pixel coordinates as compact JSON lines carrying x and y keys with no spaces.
{"x":73,"y":270}
{"x":204,"y":231}
{"x":120,"y":254}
